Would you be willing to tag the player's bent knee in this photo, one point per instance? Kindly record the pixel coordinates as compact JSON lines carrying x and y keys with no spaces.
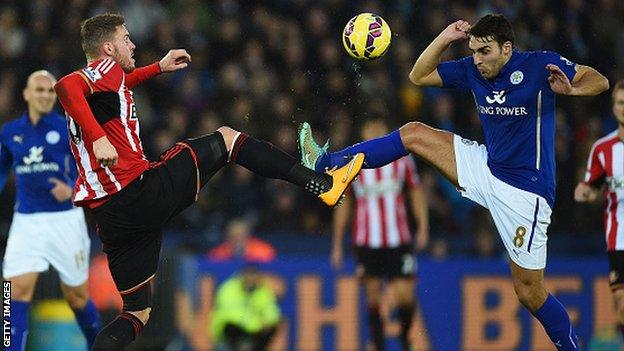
{"x":138,"y":300}
{"x":414,"y":135}
{"x":22,"y":291}
{"x":142,"y":315}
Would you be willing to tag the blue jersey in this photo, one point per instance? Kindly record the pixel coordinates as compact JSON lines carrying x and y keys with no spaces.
{"x":517,"y":112}
{"x":37,"y":153}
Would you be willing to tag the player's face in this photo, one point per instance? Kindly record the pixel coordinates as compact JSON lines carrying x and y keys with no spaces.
{"x":372,"y":130}
{"x":40,"y":95}
{"x":488,"y":55}
{"x":618,"y":106}
{"x":123,"y":49}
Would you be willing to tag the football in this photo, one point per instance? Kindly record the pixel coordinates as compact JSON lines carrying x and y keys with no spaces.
{"x":366,"y":36}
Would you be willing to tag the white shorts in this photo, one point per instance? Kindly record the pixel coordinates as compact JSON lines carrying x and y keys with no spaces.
{"x":521,"y":217}
{"x":39,"y":240}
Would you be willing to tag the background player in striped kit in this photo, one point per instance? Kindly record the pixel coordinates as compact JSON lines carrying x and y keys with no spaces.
{"x":605,"y":175}
{"x":46,"y":229}
{"x":382,"y":239}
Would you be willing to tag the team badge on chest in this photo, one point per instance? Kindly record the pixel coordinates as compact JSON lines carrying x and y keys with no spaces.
{"x":516,"y":77}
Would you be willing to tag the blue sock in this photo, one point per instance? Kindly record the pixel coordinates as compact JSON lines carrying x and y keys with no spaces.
{"x":19,"y":325}
{"x":379,"y":152}
{"x":89,"y":321}
{"x":556,"y":322}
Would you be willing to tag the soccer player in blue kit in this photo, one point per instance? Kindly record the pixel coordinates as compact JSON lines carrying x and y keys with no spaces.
{"x":46,"y":228}
{"x":513,"y":174}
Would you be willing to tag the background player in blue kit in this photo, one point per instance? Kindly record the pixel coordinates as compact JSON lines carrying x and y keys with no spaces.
{"x":46,"y":229}
{"x":513,"y":174}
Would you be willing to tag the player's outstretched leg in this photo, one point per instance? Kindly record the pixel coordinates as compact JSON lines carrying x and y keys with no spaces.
{"x":265,"y":159}
{"x":432,"y":145}
{"x":529,"y":287}
{"x":378,"y":152}
{"x":87,"y":316}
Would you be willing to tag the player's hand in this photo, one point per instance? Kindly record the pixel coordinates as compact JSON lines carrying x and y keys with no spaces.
{"x":174,"y":60}
{"x":61,"y":190}
{"x":456,"y":31}
{"x":559,"y":82}
{"x":422,"y":240}
{"x":584,"y":193}
{"x":336,"y":258}
{"x":105,"y":152}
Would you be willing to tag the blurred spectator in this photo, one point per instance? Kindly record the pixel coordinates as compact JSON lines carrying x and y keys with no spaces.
{"x":246,"y":314}
{"x":239,"y":244}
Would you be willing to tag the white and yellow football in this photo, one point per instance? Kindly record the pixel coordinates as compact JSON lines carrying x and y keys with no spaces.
{"x":366,"y":36}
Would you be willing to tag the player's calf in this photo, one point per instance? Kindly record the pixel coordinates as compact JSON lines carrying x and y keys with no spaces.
{"x":128,"y":325}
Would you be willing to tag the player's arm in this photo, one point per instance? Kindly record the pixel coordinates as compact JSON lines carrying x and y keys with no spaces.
{"x":72,"y":91}
{"x":420,"y":210}
{"x":341,"y":220}
{"x":586,"y":82}
{"x":173,"y":61}
{"x":592,"y":184}
{"x":425,"y":72}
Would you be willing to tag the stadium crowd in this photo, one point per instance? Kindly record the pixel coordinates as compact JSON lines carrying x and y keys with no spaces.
{"x":265,"y":66}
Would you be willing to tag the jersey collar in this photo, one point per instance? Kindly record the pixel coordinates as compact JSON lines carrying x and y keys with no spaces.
{"x":26,"y":118}
{"x":509,"y":65}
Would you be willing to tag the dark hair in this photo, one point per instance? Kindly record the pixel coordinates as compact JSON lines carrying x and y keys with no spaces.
{"x":98,"y":29}
{"x":617,"y":87}
{"x":494,"y":26}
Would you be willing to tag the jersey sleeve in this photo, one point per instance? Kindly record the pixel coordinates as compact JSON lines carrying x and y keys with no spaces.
{"x":103,"y":76}
{"x":72,"y":91}
{"x":568,"y":67}
{"x":595,"y":172}
{"x":454,"y":74}
{"x":5,"y":160}
{"x":412,"y":180}
{"x":142,"y":74}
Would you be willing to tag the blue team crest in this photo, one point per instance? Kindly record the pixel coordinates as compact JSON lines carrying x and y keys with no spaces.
{"x":516,"y":77}
{"x":53,"y":137}
{"x":93,"y":74}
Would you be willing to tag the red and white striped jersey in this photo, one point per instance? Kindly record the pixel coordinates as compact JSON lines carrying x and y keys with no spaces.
{"x":606,"y":164}
{"x":112,"y":104}
{"x":381,"y":219}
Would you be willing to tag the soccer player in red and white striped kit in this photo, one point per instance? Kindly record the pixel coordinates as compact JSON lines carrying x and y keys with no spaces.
{"x":382,"y":239}
{"x":131,"y":198}
{"x":605,"y":174}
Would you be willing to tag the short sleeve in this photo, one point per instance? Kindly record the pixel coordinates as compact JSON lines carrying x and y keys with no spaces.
{"x":568,"y":67}
{"x":103,"y":76}
{"x":595,"y":172}
{"x":454,"y":74}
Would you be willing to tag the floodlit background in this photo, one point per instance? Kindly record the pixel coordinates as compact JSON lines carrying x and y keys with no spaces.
{"x":265,"y":66}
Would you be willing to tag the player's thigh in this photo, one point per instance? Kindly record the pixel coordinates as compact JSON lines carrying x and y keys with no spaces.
{"x":69,"y":246}
{"x":521,"y":219}
{"x":618,"y":297}
{"x":23,"y":286}
{"x":26,"y":246}
{"x":373,"y":287}
{"x":433,"y":145}
{"x":403,"y":289}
